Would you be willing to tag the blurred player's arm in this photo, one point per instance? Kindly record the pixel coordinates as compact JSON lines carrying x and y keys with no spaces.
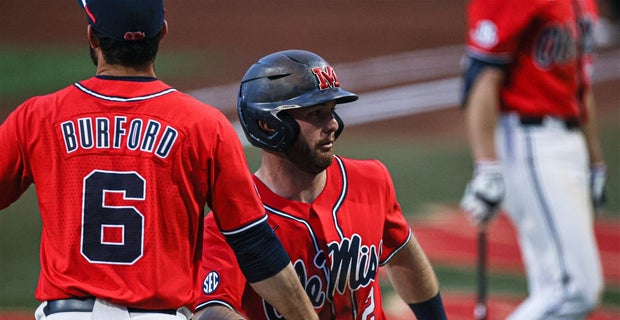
{"x":484,"y":193}
{"x":482,"y":113}
{"x":590,"y":129}
{"x":413,"y":278}
{"x":14,"y":176}
{"x":217,"y":312}
{"x":598,"y":168}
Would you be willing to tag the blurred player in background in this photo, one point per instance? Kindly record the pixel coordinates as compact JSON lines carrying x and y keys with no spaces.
{"x":531,"y":121}
{"x":338,"y":218}
{"x":607,"y":32}
{"x":124,"y":166}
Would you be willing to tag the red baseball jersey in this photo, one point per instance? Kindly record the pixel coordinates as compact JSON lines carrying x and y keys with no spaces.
{"x":336,"y":244}
{"x":123,"y":169}
{"x":546,"y":45}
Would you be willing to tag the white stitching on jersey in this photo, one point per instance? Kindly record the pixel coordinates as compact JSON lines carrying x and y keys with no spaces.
{"x":119,"y":99}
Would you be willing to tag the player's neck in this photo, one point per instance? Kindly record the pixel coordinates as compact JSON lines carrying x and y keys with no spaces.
{"x":289,"y":182}
{"x":104,"y":69}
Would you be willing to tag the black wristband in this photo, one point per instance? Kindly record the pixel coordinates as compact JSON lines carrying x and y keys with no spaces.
{"x":431,"y":309}
{"x":259,"y":252}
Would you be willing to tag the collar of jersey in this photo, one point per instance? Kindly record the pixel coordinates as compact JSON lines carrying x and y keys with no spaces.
{"x":127,"y":78}
{"x":138,"y":90}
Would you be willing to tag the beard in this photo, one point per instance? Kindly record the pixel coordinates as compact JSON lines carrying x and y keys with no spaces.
{"x":93,"y":55}
{"x":307,"y":158}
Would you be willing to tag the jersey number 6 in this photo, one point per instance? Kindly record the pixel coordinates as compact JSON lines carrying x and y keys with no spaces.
{"x":112,"y":234}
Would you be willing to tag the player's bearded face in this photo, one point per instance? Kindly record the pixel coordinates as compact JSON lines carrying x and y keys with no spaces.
{"x":313,"y":151}
{"x":308,"y":157}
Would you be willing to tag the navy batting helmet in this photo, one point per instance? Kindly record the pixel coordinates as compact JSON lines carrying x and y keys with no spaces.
{"x":281,"y":81}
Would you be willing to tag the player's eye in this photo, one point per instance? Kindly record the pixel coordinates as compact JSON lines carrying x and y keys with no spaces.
{"x":317,"y":113}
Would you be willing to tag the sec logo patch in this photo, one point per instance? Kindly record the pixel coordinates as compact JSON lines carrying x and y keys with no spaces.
{"x":211,"y":282}
{"x":485,"y":34}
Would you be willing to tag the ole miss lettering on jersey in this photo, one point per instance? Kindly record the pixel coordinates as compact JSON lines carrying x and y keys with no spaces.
{"x":352,"y":265}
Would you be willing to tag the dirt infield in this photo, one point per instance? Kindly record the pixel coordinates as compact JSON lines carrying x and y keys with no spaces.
{"x":449,"y":239}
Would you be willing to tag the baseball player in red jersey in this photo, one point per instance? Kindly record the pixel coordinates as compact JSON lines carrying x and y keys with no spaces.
{"x":530,"y":117}
{"x":124,"y":166}
{"x":337,"y":218}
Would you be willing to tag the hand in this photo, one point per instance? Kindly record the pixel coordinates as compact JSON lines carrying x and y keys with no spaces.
{"x":484,"y":192}
{"x":598,"y":176}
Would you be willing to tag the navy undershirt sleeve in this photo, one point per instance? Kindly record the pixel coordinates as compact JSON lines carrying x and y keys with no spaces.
{"x":259,"y":252}
{"x":472,"y":69}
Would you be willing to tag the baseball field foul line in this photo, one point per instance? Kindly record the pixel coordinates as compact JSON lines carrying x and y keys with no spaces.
{"x":412,"y":77}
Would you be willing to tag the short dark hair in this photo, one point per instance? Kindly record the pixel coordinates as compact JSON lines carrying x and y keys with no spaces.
{"x":135,"y":53}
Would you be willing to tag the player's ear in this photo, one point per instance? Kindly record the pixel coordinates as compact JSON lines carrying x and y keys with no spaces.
{"x":93,"y":41}
{"x":164,"y":30}
{"x":265,"y":127}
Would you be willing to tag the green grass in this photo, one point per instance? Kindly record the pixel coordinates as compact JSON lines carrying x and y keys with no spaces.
{"x":20,"y":233}
{"x":28,"y":71}
{"x":35,"y":70}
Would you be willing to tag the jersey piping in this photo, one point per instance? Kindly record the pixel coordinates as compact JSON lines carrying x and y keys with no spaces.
{"x":121,"y":99}
{"x":343,"y":193}
{"x":242,"y":229}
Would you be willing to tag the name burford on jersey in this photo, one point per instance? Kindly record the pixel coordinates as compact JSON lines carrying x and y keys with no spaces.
{"x":118,"y":132}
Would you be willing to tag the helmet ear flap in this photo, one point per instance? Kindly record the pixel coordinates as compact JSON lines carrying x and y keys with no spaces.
{"x":289,"y":128}
{"x":340,"y":125}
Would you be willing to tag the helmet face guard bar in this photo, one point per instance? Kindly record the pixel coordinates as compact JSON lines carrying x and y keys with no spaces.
{"x":274,"y":112}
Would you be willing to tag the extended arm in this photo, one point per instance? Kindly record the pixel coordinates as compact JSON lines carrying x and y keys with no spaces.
{"x":413,"y":277}
{"x":277,"y":291}
{"x":217,"y":312}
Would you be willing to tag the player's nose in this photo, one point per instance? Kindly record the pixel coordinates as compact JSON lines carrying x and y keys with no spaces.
{"x":332,"y":125}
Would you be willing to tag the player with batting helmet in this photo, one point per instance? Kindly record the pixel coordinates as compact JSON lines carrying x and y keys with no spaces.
{"x":338,"y":218}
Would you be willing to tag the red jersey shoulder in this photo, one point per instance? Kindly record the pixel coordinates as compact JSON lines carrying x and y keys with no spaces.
{"x":366,"y":168}
{"x":368,"y":171}
{"x":495,"y":26}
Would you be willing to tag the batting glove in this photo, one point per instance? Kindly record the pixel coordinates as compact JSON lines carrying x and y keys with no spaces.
{"x":598,"y":177}
{"x":484,"y":193}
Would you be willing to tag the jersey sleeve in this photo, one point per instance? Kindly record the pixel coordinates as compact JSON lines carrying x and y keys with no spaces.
{"x":396,"y":230}
{"x":495,"y":28}
{"x":221,"y":280}
{"x":14,"y":176}
{"x":233,"y":197}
